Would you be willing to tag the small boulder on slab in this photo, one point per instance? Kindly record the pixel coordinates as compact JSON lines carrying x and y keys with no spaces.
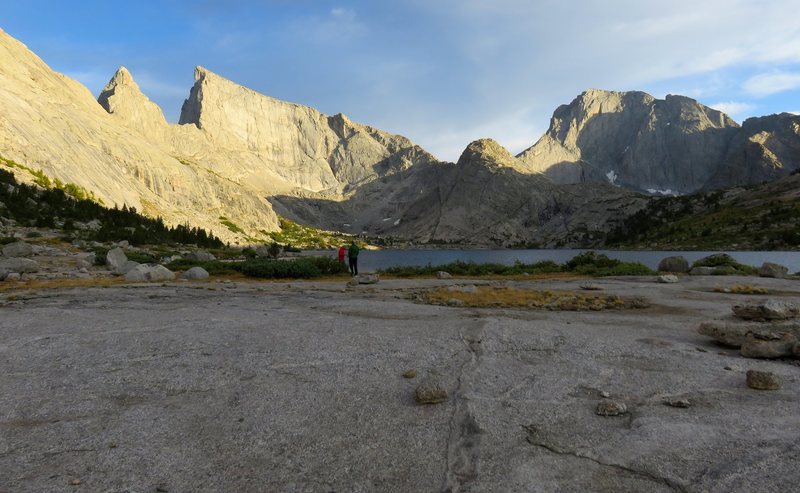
{"x":367,"y":278}
{"x":776,"y":345}
{"x":590,"y":286}
{"x":762,"y":380}
{"x":443,"y":275}
{"x":668,"y":279}
{"x":769,"y":269}
{"x":609,"y":407}
{"x":674,"y":264}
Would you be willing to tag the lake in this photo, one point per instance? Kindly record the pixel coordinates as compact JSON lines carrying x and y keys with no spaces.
{"x":380,"y":259}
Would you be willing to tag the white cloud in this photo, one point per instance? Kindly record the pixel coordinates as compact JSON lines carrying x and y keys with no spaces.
{"x":734,"y":109}
{"x":772,"y":83}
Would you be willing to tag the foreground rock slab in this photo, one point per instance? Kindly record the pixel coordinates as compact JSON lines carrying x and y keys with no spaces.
{"x":298,"y":386}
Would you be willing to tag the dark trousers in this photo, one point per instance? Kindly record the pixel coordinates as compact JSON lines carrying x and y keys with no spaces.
{"x":354,"y":265}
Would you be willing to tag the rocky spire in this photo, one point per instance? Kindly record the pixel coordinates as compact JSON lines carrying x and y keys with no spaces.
{"x":122,"y":98}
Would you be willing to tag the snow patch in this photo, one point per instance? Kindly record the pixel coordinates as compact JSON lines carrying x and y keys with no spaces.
{"x":612,"y":177}
{"x":397,"y":222}
{"x":387,"y":219}
{"x":653,"y":191}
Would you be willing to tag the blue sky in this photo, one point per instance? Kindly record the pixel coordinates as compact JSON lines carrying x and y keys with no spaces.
{"x":441,"y":72}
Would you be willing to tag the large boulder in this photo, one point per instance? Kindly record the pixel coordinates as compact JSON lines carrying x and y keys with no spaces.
{"x":17,"y":249}
{"x":195,"y":273}
{"x":18,"y":265}
{"x":768,"y":269}
{"x":701,"y":271}
{"x":115,"y":259}
{"x":149,"y":273}
{"x":674,"y":264}
{"x":201,"y":256}
{"x":777,"y":346}
{"x":766,"y":310}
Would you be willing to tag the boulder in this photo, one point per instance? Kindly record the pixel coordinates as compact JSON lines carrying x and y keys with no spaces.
{"x":766,"y":310}
{"x":734,"y":333}
{"x":610,"y":407}
{"x":115,"y":259}
{"x":19,"y":265}
{"x":775,"y":346}
{"x":590,"y":286}
{"x":82,"y":263}
{"x":762,"y":380}
{"x":17,"y":249}
{"x":367,"y":278}
{"x":768,"y":269}
{"x":128,"y":266}
{"x":200,"y":256}
{"x":195,"y":273}
{"x":443,"y":275}
{"x":149,"y":273}
{"x":668,"y":279}
{"x":701,"y":271}
{"x":12,"y":276}
{"x":674,"y":264}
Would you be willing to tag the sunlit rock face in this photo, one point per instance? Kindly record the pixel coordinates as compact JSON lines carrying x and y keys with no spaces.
{"x":633,"y":140}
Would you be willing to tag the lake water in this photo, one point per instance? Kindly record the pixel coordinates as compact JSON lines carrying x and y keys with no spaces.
{"x":381,"y":259}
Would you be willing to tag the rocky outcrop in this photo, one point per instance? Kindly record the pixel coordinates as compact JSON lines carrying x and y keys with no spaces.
{"x":634,"y":140}
{"x":669,"y":146}
{"x":764,"y":149}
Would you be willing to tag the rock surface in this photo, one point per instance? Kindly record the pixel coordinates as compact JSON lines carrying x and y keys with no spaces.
{"x":149,"y":384}
{"x":767,"y":310}
{"x":195,"y":273}
{"x":674,"y":264}
{"x":762,"y":380}
{"x":769,"y":269}
{"x":17,"y":249}
{"x":674,"y":145}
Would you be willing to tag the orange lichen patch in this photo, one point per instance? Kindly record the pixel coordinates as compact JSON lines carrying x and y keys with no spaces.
{"x":502,"y":297}
{"x":741,"y":289}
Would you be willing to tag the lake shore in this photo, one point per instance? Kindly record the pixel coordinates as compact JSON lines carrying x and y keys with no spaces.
{"x":298,"y":386}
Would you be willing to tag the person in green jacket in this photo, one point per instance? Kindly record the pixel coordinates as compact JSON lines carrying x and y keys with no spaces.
{"x":352,"y":255}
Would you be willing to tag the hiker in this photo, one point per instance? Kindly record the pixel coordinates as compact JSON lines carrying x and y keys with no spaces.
{"x":352,"y":254}
{"x":341,"y":254}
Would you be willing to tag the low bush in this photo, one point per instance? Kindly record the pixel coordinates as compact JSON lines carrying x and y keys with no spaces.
{"x":299,"y":268}
{"x":724,"y":264}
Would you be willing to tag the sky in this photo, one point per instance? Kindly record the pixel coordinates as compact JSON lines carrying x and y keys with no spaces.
{"x":441,"y":72}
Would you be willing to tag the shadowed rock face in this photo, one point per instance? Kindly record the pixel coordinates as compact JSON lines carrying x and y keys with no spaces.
{"x":641,"y":143}
{"x":484,"y":199}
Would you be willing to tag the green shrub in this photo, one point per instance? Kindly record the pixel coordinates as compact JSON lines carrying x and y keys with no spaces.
{"x":724,"y":265}
{"x":299,"y":268}
{"x":141,"y":257}
{"x":213,"y":267}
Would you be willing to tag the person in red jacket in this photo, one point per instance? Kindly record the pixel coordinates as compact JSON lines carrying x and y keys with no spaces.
{"x":341,"y":254}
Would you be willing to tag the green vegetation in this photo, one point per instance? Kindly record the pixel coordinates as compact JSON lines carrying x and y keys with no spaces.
{"x":233,"y":227}
{"x":52,"y":207}
{"x":762,"y":218}
{"x":483,"y":297}
{"x":294,"y":235}
{"x":299,"y":268}
{"x":588,"y":263}
{"x":724,"y":264}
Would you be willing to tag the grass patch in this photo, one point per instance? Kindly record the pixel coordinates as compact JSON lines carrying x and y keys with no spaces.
{"x":585,"y":264}
{"x":741,"y":289}
{"x":482,"y":297}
